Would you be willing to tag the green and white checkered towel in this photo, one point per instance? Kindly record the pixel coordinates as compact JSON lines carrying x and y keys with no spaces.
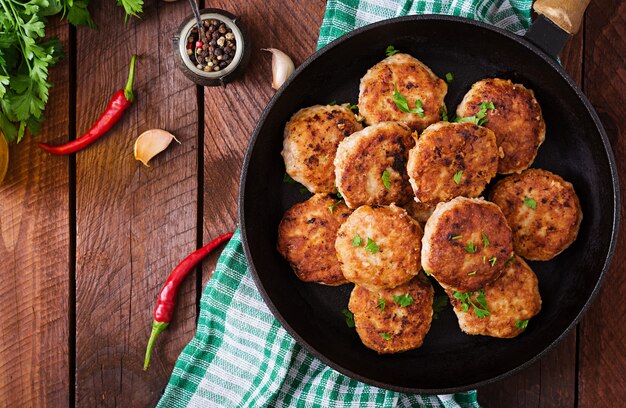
{"x":241,"y":356}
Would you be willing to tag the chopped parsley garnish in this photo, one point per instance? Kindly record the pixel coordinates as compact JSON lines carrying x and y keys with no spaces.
{"x":480,"y":117}
{"x":403,"y":300}
{"x":443,"y":114}
{"x":456,"y":237}
{"x":521,"y":324}
{"x":479,"y":305}
{"x":509,"y":261}
{"x":439,"y":302}
{"x":471,"y":247}
{"x":303,"y":190}
{"x":353,"y":108}
{"x":449,"y":77}
{"x":382,"y":303}
{"x":493,"y":261}
{"x":530,"y":203}
{"x":471,"y":273}
{"x":333,"y":103}
{"x":484,"y":259}
{"x":386,"y":177}
{"x":457,"y":176}
{"x":339,"y":195}
{"x":287,"y":179}
{"x":349,"y":317}
{"x":385,"y":336}
{"x":403,"y":104}
{"x":485,"y":240}
{"x":357,"y":241}
{"x":391,"y":50}
{"x":371,"y":246}
{"x":418,"y":108}
{"x":331,"y":208}
{"x":427,"y":272}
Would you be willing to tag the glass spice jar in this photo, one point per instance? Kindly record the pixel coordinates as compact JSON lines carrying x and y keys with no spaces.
{"x":217,"y":53}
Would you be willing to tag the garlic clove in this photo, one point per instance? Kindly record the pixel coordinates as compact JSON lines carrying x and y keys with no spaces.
{"x":150,"y":143}
{"x":282,"y":67}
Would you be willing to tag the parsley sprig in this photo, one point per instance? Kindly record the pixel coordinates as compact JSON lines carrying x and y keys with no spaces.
{"x":403,"y":300}
{"x":386,"y":177}
{"x":371,"y":246}
{"x":521,"y":324}
{"x":439,"y":302}
{"x":530,"y":203}
{"x":480,"y":117}
{"x":402,"y":103}
{"x":349,"y":317}
{"x":25,"y":58}
{"x":391,"y":50}
{"x":479,"y":303}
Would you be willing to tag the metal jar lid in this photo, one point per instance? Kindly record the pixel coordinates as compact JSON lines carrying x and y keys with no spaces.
{"x":228,"y":73}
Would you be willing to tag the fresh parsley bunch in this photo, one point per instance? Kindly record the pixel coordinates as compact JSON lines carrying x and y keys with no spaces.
{"x":25,"y":57}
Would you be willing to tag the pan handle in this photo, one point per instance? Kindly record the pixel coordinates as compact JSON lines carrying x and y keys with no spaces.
{"x":567,"y":14}
{"x":558,"y":20}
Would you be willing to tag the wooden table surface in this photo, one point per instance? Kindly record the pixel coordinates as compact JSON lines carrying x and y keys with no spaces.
{"x":87,"y":241}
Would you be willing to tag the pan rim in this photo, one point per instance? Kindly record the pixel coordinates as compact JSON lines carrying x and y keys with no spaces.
{"x":533,"y":49}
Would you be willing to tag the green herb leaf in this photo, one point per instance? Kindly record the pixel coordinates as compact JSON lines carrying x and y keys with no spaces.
{"x":471,"y":247}
{"x":304,"y":190}
{"x":521,"y":324}
{"x":382,"y":303}
{"x":371,"y":246}
{"x":480,"y":309}
{"x":402,"y":103}
{"x":493,"y":261}
{"x":480,"y":117}
{"x":385,"y":336}
{"x":391,"y":51}
{"x":449,"y":77}
{"x":403,"y":300}
{"x":353,"y":108}
{"x":484,"y":258}
{"x":287,"y":179}
{"x":77,"y":13}
{"x":457,"y":176}
{"x":509,"y":261}
{"x":331,"y":208}
{"x":439,"y":302}
{"x":333,"y":103}
{"x":357,"y":241}
{"x":443,"y":113}
{"x":131,"y":7}
{"x":339,"y":195}
{"x":426,"y":271}
{"x":471,"y":273}
{"x":530,"y":203}
{"x":485,"y":240}
{"x":349,"y":317}
{"x":456,"y":237}
{"x":386,"y":177}
{"x":418,"y":108}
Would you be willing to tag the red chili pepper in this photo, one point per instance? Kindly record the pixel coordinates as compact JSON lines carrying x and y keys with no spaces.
{"x":167,"y":296}
{"x":122,"y":99}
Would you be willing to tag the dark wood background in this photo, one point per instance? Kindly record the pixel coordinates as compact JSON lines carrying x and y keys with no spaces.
{"x":87,"y":241}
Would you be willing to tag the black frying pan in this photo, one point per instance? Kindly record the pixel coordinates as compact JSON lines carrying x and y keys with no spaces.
{"x":576,"y":148}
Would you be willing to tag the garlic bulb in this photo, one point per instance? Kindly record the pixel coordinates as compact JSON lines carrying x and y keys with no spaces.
{"x":282,"y":67}
{"x":150,"y":143}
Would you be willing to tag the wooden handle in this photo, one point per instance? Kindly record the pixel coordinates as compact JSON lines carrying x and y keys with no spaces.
{"x":567,"y":14}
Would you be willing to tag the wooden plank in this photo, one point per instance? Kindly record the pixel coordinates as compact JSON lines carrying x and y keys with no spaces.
{"x":134,"y":223}
{"x":35,"y":254}
{"x":550,"y":382}
{"x":602,"y":332}
{"x":231,"y":113}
